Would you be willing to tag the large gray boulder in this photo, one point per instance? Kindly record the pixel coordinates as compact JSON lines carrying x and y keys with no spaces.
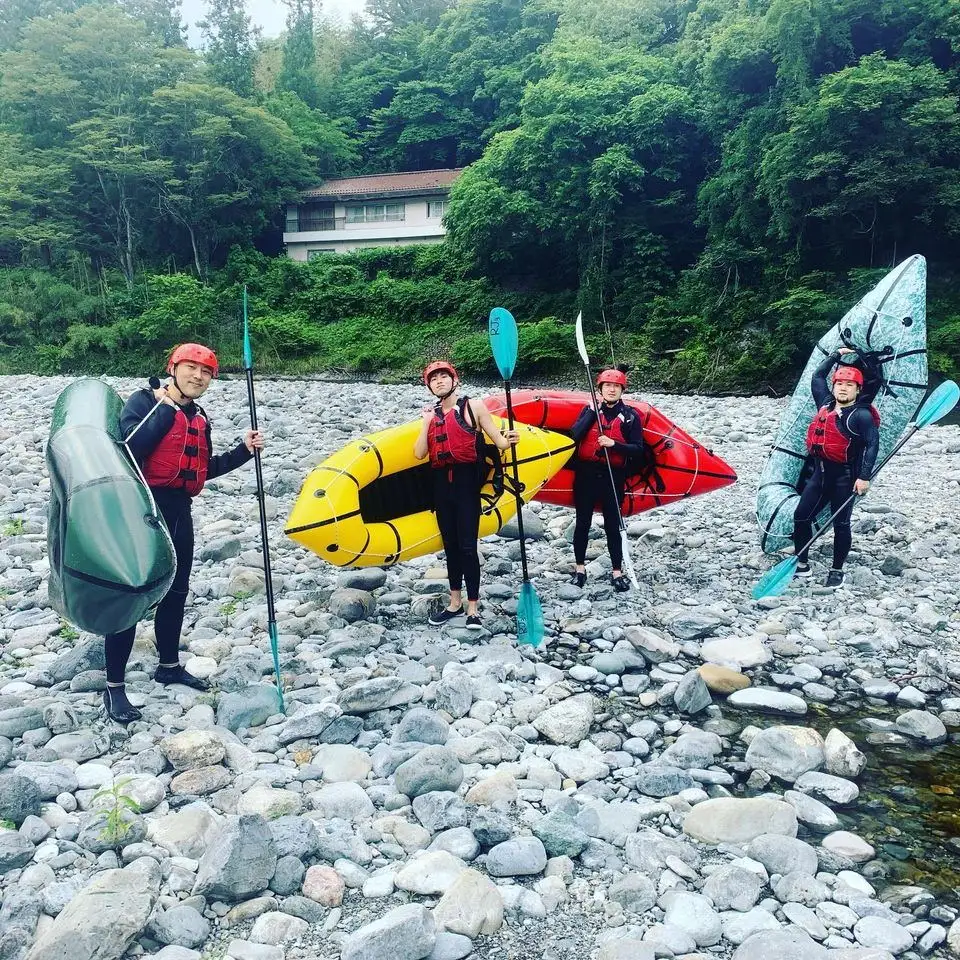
{"x":104,"y":918}
{"x":240,"y":860}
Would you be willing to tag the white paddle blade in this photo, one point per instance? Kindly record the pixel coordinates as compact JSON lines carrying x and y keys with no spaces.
{"x":581,"y":345}
{"x":628,"y":560}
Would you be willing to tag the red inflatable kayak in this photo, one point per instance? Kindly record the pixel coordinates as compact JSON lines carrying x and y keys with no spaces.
{"x":684,"y":467}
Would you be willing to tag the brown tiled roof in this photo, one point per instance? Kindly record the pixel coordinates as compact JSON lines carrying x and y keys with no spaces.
{"x":387,"y":184}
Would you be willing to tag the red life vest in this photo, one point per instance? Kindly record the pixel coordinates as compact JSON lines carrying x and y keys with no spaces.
{"x":182,"y":457}
{"x":589,"y":448}
{"x":451,"y":439}
{"x":825,"y":438}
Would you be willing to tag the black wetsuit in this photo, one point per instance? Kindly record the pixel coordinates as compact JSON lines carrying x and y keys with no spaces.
{"x":591,"y":483}
{"x":174,"y":507}
{"x":456,"y":499}
{"x":831,"y":484}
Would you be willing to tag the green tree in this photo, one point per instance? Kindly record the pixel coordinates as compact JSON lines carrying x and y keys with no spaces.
{"x":871,"y":161}
{"x":230,"y":49}
{"x":227,"y":166}
{"x":328,"y":148}
{"x":162,"y":18}
{"x":298,"y":72}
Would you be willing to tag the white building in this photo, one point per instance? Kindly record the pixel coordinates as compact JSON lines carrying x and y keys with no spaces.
{"x":390,"y":209}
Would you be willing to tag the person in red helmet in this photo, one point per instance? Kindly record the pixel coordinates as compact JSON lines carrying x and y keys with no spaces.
{"x":620,"y":434}
{"x":842,"y":442}
{"x":452,"y":437}
{"x":168,"y":433}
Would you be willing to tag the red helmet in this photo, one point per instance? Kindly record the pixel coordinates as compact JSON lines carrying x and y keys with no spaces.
{"x":196,"y":353}
{"x":612,"y":376}
{"x":848,"y":374}
{"x":431,"y":368}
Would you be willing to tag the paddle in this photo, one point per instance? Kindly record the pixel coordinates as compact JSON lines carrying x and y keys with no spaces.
{"x":504,"y":344}
{"x":268,"y":577}
{"x":585,"y":357}
{"x":775,"y":581}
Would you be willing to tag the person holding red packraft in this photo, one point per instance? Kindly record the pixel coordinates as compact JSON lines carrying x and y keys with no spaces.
{"x":168,"y":433}
{"x":452,"y":437}
{"x":842,"y":442}
{"x":619,"y":436}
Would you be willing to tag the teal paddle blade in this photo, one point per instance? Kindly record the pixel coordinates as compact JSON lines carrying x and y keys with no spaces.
{"x":938,"y":404}
{"x":247,"y":351}
{"x":504,"y":341}
{"x":775,"y":582}
{"x":530,"y":629}
{"x":275,"y":650}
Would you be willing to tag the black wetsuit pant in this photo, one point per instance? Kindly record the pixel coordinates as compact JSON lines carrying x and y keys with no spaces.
{"x":456,"y":492}
{"x":174,"y":506}
{"x":830,"y":485}
{"x":591,"y":485}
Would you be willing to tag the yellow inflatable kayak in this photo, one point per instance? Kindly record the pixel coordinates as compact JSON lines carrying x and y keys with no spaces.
{"x":368,"y":505}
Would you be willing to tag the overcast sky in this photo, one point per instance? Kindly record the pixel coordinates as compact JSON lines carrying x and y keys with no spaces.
{"x":269,"y":15}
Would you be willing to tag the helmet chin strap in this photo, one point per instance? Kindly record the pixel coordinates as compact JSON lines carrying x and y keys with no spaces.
{"x":183,"y":396}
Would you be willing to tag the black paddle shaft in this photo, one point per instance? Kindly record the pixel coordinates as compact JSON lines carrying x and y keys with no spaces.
{"x":258,"y":467}
{"x":516,"y":485}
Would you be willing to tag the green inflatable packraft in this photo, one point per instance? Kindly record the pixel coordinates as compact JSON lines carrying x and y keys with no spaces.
{"x":111,"y":558}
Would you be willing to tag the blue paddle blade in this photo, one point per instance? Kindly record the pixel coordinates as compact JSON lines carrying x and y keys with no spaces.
{"x":530,"y":629}
{"x":938,"y":404}
{"x":504,"y":341}
{"x":775,"y":582}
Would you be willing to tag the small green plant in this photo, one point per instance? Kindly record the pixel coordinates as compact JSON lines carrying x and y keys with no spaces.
{"x":13,"y":527}
{"x":229,"y":608}
{"x":69,"y":632}
{"x":7,"y":825}
{"x":116,"y":827}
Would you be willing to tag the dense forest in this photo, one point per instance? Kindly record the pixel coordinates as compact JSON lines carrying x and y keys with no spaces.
{"x":713,"y":181}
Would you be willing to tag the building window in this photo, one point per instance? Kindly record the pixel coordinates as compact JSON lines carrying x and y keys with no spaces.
{"x":314,"y":216}
{"x":376,"y":213}
{"x":313,"y":252}
{"x":436,"y":209}
{"x":293,"y":220}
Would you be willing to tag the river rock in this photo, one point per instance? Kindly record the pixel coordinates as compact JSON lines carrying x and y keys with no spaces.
{"x":692,"y":694}
{"x":405,"y":933}
{"x":786,"y":752}
{"x":693,"y":913}
{"x":240,"y":860}
{"x":472,"y":906}
{"x":733,"y":888}
{"x":654,"y":647}
{"x":19,"y":797}
{"x":882,"y":933}
{"x":848,"y":845}
{"x":764,"y":700}
{"x":520,"y":857}
{"x":922,"y":726}
{"x":104,"y":918}
{"x":735,"y":820}
{"x":569,"y":721}
{"x":736,"y":652}
{"x":379,"y":693}
{"x":433,"y":768}
{"x":783,"y":854}
{"x":843,"y":759}
{"x":352,"y":605}
{"x":722,"y":679}
{"x":193,"y":749}
{"x":790,"y":944}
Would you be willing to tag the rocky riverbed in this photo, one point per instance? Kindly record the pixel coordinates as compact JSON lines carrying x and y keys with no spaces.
{"x":675,"y":774}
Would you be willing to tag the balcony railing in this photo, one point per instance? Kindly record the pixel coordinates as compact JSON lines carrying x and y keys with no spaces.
{"x":307,"y":224}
